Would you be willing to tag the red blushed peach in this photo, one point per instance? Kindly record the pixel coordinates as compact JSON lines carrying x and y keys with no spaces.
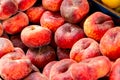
{"x":16,"y":23}
{"x":109,"y":43}
{"x":82,"y":72}
{"x":36,"y":76}
{"x":63,"y":53}
{"x":25,"y":4}
{"x":41,"y":56}
{"x":84,"y":48}
{"x":47,"y":68}
{"x":6,"y":46}
{"x":16,"y":40}
{"x":67,"y":34}
{"x":74,"y":10}
{"x":36,"y":36}
{"x":51,"y":20}
{"x":101,"y":65}
{"x":16,"y":66}
{"x":7,"y":8}
{"x":97,"y":24}
{"x":52,"y":5}
{"x":60,"y":70}
{"x":114,"y":73}
{"x":1,"y":29}
{"x":34,"y":14}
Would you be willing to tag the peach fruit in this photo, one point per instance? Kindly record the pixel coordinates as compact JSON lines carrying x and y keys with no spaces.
{"x":67,"y":34}
{"x":97,"y":24}
{"x":81,"y":71}
{"x":6,"y":46}
{"x":52,"y":5}
{"x":74,"y":10}
{"x":47,"y":68}
{"x":84,"y":48}
{"x":51,"y":20}
{"x":109,"y":43}
{"x":41,"y":56}
{"x":16,"y":66}
{"x":7,"y":8}
{"x":114,"y":73}
{"x":100,"y":64}
{"x":36,"y":36}
{"x":34,"y":14}
{"x":25,"y":4}
{"x":60,"y":70}
{"x":16,"y":23}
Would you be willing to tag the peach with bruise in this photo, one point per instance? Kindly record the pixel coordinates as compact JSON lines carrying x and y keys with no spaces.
{"x":25,"y":4}
{"x":36,"y":36}
{"x":35,"y":76}
{"x":6,"y":46}
{"x":63,"y":53}
{"x":74,"y":10}
{"x":52,"y":5}
{"x":47,"y":68}
{"x":97,"y":24}
{"x":109,"y":43}
{"x":16,"y":66}
{"x":84,"y":48}
{"x":16,"y":23}
{"x":67,"y":34}
{"x":51,"y":20}
{"x":7,"y":8}
{"x":35,"y":13}
{"x":114,"y":73}
{"x":41,"y":56}
{"x":60,"y":70}
{"x":101,"y":65}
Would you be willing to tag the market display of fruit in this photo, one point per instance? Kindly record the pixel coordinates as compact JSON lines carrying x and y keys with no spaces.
{"x":58,"y":40}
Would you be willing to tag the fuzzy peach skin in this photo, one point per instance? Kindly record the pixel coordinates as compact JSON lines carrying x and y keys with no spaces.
{"x":109,"y":43}
{"x":114,"y":73}
{"x":52,"y":5}
{"x":35,"y":13}
{"x":100,"y":64}
{"x":1,"y":29}
{"x":60,"y":70}
{"x":97,"y":24}
{"x":67,"y":34}
{"x":41,"y":56}
{"x":81,"y":71}
{"x":36,"y":76}
{"x":36,"y":36}
{"x":15,"y":24}
{"x":51,"y":20}
{"x":74,"y":10}
{"x":84,"y":48}
{"x":16,"y":66}
{"x":25,"y":4}
{"x":7,"y":8}
{"x":47,"y":68}
{"x":6,"y":46}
